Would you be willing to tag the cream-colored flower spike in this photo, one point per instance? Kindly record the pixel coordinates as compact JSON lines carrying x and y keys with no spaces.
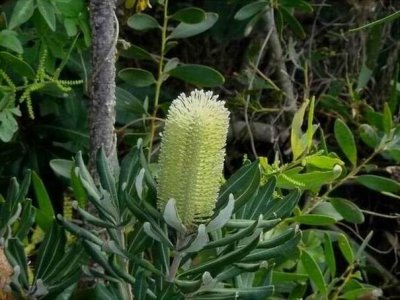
{"x":192,"y":155}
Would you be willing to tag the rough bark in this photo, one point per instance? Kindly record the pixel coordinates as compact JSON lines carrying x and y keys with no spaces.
{"x":284,"y":80}
{"x":102,"y":86}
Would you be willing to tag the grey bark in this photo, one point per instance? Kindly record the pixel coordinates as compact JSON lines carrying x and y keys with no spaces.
{"x":102,"y":86}
{"x":284,"y":80}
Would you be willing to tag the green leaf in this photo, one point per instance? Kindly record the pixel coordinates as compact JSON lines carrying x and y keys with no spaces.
{"x":15,"y":63}
{"x":379,"y":183}
{"x":9,"y":40}
{"x":345,"y":248}
{"x":142,"y":22}
{"x":362,"y":293}
{"x":23,"y":11}
{"x":242,"y":184}
{"x":106,"y":175}
{"x":250,"y":10}
{"x":223,"y":216}
{"x":45,"y":212}
{"x":363,"y":245}
{"x":345,"y":139}
{"x":137,"y":77}
{"x":298,"y":144}
{"x":184,"y":30}
{"x":8,"y":124}
{"x":297,"y":4}
{"x":189,"y":15}
{"x":388,"y":18}
{"x":364,"y":77}
{"x":199,"y":242}
{"x":47,"y":11}
{"x":221,"y":261}
{"x":313,"y":270}
{"x":369,"y":136}
{"x":62,"y":167}
{"x":137,"y":53}
{"x":255,"y":293}
{"x":198,"y":75}
{"x":348,"y":210}
{"x":51,"y":250}
{"x":314,"y":220}
{"x":329,"y":255}
{"x":322,"y":161}
{"x":71,"y":26}
{"x":171,"y":216}
{"x":387,"y":119}
{"x":293,"y":23}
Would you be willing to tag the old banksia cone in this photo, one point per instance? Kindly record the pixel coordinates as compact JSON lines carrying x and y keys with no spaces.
{"x":192,"y":155}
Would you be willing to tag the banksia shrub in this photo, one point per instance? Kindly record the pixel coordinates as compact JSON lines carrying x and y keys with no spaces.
{"x":192,"y":155}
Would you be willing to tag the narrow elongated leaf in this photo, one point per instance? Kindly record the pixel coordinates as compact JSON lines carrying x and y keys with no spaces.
{"x":106,"y":176}
{"x":329,"y":255}
{"x":200,"y":241}
{"x":233,"y":237}
{"x":387,"y":119}
{"x":198,"y":75}
{"x":22,"y":12}
{"x":314,"y":219}
{"x":345,"y":139}
{"x":222,"y":260}
{"x":243,"y":184}
{"x":184,"y":30}
{"x":313,"y":270}
{"x":298,"y":143}
{"x":293,"y":23}
{"x":345,"y":248}
{"x":223,"y":216}
{"x":45,"y":212}
{"x":51,"y":251}
{"x":379,"y":183}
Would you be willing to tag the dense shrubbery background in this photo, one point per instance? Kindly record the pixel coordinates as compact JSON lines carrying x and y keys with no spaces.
{"x":313,"y":90}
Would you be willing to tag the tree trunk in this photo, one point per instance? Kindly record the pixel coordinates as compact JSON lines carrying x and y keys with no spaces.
{"x":102,"y":86}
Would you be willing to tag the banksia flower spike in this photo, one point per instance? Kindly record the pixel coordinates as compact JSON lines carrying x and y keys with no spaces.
{"x":192,"y":155}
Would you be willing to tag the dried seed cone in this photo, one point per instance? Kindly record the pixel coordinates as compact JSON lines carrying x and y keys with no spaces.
{"x":192,"y":155}
{"x":6,"y":272}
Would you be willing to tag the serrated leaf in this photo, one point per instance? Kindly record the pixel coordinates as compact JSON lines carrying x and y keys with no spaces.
{"x":348,"y":210}
{"x":47,"y":11}
{"x":184,"y":30}
{"x":9,"y":40}
{"x":198,"y":75}
{"x":345,"y":139}
{"x":314,"y":272}
{"x":23,"y":11}
{"x":189,"y":15}
{"x":142,"y":21}
{"x":250,"y":10}
{"x":15,"y":63}
{"x":137,"y":77}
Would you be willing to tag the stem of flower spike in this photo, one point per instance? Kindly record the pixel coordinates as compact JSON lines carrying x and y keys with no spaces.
{"x":173,"y":269}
